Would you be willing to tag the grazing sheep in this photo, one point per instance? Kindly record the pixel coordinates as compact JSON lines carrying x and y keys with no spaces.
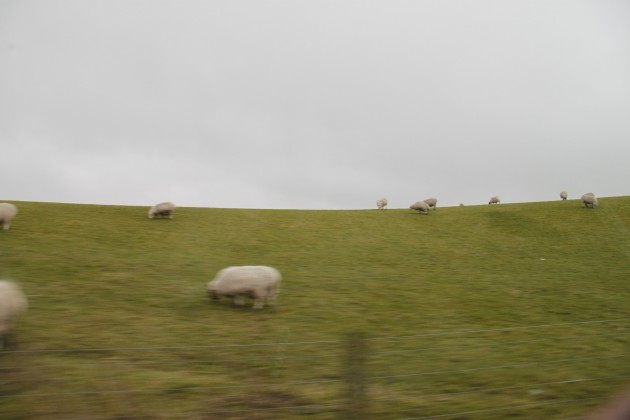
{"x":564,"y":195}
{"x":589,"y":200}
{"x":7,"y":213}
{"x":255,"y":281}
{"x":495,"y":200}
{"x":432,"y":202}
{"x":12,"y":302}
{"x":420,"y":206}
{"x":163,"y":210}
{"x":381,"y":204}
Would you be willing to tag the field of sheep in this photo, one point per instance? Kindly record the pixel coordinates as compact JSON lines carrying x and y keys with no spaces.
{"x":477,"y":312}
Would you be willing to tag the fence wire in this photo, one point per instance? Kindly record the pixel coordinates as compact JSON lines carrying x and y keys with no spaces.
{"x":417,"y":376}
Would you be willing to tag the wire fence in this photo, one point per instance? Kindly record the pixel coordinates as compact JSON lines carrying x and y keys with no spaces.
{"x":559,"y":371}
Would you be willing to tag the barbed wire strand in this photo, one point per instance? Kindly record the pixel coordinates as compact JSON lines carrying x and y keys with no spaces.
{"x":186,"y":414}
{"x":296,"y":383}
{"x":512,"y":407}
{"x":148,"y":391}
{"x":498,"y":329}
{"x":303,"y":406}
{"x":509,"y":343}
{"x":518,"y":365}
{"x":336,"y":354}
{"x":297,"y":343}
{"x":511,"y":387}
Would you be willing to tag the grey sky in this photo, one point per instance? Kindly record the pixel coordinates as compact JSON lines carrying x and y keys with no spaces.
{"x":313,"y":104}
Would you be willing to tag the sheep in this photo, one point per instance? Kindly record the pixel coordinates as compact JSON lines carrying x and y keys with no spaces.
{"x":255,"y":281}
{"x":7,"y":213}
{"x":162,"y":209}
{"x":495,"y":200}
{"x":589,"y":200}
{"x":564,"y":195}
{"x":381,"y":204}
{"x":12,"y":302}
{"x":432,"y":202}
{"x":420,"y":206}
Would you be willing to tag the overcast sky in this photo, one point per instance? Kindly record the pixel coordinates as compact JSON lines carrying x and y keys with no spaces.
{"x":313,"y":104}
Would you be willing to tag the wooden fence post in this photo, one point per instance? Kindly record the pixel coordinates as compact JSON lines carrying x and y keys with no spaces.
{"x":356,"y":355}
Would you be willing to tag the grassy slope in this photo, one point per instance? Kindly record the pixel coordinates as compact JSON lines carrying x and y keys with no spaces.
{"x":106,"y":277}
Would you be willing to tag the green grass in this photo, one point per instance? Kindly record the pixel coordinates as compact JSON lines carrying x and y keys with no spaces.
{"x":466,"y":310}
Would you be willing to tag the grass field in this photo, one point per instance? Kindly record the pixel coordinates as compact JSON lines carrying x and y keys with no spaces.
{"x":512,"y":310}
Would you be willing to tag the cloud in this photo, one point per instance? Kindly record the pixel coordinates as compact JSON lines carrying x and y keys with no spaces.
{"x":313,"y":104}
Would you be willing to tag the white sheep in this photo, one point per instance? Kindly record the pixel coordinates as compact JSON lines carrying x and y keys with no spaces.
{"x":162,"y":209}
{"x":12,"y":302}
{"x":381,"y":204}
{"x":564,"y":195}
{"x":7,"y":213}
{"x":495,"y":200}
{"x":420,"y":206}
{"x":589,"y":200}
{"x":432,"y":202}
{"x":258,"y":282}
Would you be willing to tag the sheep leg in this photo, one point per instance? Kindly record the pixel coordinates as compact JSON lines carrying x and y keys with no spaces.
{"x":259,"y":299}
{"x":239,"y":300}
{"x":271,"y":296}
